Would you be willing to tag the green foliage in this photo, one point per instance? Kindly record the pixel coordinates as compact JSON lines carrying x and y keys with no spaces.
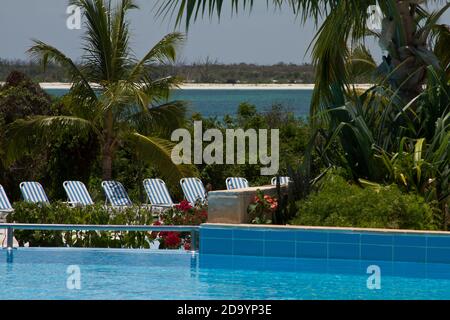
{"x":294,"y":138}
{"x":262,"y":209}
{"x":60,"y":213}
{"x":340,"y":204}
{"x":60,"y":157}
{"x":129,"y":107}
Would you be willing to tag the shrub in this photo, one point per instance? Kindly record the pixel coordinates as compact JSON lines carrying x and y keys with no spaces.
{"x":340,"y":204}
{"x":182,"y":214}
{"x":60,"y":213}
{"x":262,"y":209}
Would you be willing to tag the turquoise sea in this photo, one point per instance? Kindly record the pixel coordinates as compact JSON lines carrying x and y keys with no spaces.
{"x":218,"y":103}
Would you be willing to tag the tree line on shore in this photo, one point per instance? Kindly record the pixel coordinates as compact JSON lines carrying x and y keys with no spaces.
{"x":205,"y":71}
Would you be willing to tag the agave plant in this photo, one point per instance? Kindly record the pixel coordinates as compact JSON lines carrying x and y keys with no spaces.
{"x":113,"y":95}
{"x":384,"y":141}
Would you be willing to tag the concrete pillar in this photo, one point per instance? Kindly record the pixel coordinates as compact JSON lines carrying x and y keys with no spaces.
{"x":230,"y":207}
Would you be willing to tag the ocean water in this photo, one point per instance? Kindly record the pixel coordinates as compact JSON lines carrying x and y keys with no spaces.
{"x":218,"y":103}
{"x":136,"y":274}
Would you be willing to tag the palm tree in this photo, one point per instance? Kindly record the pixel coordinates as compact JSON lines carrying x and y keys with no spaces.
{"x":345,"y":22}
{"x":113,"y":95}
{"x":397,"y":128}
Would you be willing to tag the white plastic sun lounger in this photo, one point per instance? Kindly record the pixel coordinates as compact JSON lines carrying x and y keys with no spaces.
{"x":33,"y":192}
{"x":237,"y":183}
{"x":77,"y":194}
{"x":116,"y":195}
{"x":5,"y":205}
{"x":158,"y":194}
{"x":193,"y":190}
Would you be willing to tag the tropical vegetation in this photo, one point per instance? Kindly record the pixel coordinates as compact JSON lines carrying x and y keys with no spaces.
{"x":367,"y":158}
{"x":113,"y":97}
{"x":398,"y":130}
{"x":203,"y":71}
{"x":60,"y":213}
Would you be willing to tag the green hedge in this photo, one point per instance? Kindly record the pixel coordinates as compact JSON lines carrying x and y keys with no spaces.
{"x":60,"y":213}
{"x":340,"y":204}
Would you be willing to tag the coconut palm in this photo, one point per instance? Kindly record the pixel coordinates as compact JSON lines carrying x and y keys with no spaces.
{"x":407,"y":31}
{"x":113,"y":95}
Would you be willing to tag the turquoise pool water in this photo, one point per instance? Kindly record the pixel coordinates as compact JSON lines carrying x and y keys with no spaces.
{"x":218,"y":103}
{"x":125,"y":274}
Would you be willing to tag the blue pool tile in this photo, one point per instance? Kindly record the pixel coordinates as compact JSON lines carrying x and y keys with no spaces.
{"x":276,"y":235}
{"x":279,"y":249}
{"x":438,"y":255}
{"x":409,"y":254}
{"x":438,"y":241}
{"x":342,"y":237}
{"x":280,"y":264}
{"x":312,"y":250}
{"x":312,"y":236}
{"x":410,"y":240}
{"x":377,"y":239}
{"x":311,"y":265}
{"x":248,"y":234}
{"x":438,"y":271}
{"x":337,"y":266}
{"x":248,"y":247}
{"x":249,"y":263}
{"x":216,"y":261}
{"x":216,"y":246}
{"x":215,"y":233}
{"x":375,"y":252}
{"x":343,"y":251}
{"x":410,"y":269}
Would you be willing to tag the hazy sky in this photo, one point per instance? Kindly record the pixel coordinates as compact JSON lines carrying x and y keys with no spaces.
{"x":265,"y":36}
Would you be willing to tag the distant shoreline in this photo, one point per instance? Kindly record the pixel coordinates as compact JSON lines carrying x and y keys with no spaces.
{"x":212,"y":86}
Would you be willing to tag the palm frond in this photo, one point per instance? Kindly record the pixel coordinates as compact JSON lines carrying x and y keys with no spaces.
{"x":164,"y":51}
{"x":158,"y":120}
{"x":24,"y":135}
{"x":45,"y":54}
{"x":157,"y":152}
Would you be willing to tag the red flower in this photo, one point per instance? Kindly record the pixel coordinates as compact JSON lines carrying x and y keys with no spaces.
{"x":172,"y":240}
{"x":187,"y":246}
{"x":184,"y":206}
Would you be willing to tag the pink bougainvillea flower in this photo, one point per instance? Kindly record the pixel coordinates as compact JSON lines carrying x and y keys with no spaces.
{"x":184,"y":206}
{"x":173,"y":240}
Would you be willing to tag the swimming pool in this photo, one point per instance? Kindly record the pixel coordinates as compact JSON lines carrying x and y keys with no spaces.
{"x":136,"y":274}
{"x":241,"y":263}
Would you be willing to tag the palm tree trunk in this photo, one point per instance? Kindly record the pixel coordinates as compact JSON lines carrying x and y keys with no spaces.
{"x":410,"y":72}
{"x":107,"y":152}
{"x":107,"y":163}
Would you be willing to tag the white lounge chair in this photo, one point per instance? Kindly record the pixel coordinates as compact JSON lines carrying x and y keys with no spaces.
{"x":33,"y":192}
{"x":193,"y":190}
{"x":237,"y":183}
{"x":116,"y":195}
{"x":77,"y":194}
{"x":5,"y":205}
{"x":158,"y":194}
